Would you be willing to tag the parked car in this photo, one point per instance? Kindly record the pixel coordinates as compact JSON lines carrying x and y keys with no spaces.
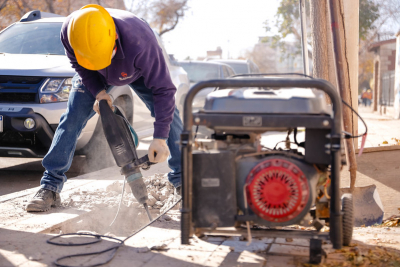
{"x":200,"y":71}
{"x":240,"y":66}
{"x":35,"y":81}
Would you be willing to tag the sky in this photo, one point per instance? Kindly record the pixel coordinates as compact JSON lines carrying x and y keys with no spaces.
{"x":234,"y":25}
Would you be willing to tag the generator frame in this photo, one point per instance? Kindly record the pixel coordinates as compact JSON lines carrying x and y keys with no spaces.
{"x":333,"y":123}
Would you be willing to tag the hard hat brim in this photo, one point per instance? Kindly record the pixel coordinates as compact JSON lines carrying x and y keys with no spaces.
{"x":94,"y":64}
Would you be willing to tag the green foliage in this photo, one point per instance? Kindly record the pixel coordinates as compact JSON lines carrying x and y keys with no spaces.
{"x":287,"y":22}
{"x":287,"y":16}
{"x":369,"y":13}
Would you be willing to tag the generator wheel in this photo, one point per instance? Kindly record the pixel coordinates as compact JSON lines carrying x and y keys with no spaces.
{"x":348,"y":218}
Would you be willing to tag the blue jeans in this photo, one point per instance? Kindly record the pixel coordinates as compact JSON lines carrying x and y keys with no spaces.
{"x":79,"y":110}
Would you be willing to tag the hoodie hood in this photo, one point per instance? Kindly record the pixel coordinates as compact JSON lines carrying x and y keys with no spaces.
{"x":35,"y":65}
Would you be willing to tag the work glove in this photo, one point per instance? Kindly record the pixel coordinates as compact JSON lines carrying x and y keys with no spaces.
{"x":102,"y":96}
{"x":158,"y":150}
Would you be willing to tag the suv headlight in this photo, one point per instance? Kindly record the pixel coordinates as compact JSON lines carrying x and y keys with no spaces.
{"x":55,"y":90}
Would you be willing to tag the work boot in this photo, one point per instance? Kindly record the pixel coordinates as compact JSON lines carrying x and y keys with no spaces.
{"x":178,"y":191}
{"x":43,"y":200}
{"x":178,"y":195}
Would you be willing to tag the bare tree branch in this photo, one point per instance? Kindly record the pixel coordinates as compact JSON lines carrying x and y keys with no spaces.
{"x":173,"y":26}
{"x":163,"y":15}
{"x":3,"y":5}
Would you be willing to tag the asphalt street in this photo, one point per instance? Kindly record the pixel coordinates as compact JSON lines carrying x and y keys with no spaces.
{"x":18,"y":174}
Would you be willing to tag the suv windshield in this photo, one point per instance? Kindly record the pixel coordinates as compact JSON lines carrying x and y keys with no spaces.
{"x":200,"y":72}
{"x":32,"y":38}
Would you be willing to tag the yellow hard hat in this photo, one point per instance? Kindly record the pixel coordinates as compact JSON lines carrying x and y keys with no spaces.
{"x":91,"y":33}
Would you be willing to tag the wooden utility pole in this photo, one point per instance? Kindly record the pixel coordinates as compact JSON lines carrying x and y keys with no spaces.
{"x":343,"y":80}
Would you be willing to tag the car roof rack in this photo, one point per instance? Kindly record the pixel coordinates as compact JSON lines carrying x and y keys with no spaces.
{"x":37,"y":14}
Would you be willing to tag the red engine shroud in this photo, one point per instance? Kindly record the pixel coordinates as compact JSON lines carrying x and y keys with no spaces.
{"x":277,"y":190}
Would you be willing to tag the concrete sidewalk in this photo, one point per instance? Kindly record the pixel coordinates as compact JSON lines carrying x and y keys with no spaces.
{"x":381,"y":128}
{"x":380,"y":163}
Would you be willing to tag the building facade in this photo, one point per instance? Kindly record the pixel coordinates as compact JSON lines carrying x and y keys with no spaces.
{"x":384,"y":76}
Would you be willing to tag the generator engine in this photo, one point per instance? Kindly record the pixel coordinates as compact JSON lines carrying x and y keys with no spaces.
{"x":273,"y":189}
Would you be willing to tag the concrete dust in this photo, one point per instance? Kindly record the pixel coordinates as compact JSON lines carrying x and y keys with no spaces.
{"x":161,"y":195}
{"x":102,"y":205}
{"x":98,"y":150}
{"x":96,"y":206}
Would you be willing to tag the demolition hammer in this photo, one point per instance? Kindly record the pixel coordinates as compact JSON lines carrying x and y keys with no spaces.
{"x":123,"y":141}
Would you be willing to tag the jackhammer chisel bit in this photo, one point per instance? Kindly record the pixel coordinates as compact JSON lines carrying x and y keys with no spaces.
{"x":147,"y":210}
{"x":139,"y":190}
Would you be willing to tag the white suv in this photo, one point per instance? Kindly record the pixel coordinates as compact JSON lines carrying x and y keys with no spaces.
{"x":35,"y":81}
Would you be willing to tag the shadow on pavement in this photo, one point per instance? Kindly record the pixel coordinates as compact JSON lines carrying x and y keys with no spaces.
{"x":18,"y":174}
{"x":19,"y":247}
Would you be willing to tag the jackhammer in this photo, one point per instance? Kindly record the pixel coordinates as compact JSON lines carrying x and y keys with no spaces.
{"x":123,"y":141}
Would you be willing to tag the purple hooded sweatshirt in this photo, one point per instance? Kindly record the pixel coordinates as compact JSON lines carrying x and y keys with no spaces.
{"x":138,"y":55}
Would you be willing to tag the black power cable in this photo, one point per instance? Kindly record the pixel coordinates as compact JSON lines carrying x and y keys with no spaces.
{"x":98,"y":239}
{"x":348,"y":135}
{"x":302,"y":144}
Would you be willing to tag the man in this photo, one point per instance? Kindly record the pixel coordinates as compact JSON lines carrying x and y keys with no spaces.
{"x":364,"y":97}
{"x":110,"y":48}
{"x":368,"y":96}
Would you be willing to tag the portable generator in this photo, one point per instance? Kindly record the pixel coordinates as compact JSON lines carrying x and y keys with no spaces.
{"x":232,"y":184}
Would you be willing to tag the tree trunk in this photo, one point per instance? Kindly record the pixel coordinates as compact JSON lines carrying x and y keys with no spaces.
{"x":319,"y":39}
{"x":331,"y":68}
{"x":376,"y":86}
{"x":50,"y":6}
{"x":119,"y":4}
{"x":323,"y":65}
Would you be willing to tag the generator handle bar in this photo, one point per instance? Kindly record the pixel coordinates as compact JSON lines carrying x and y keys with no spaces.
{"x":277,"y":83}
